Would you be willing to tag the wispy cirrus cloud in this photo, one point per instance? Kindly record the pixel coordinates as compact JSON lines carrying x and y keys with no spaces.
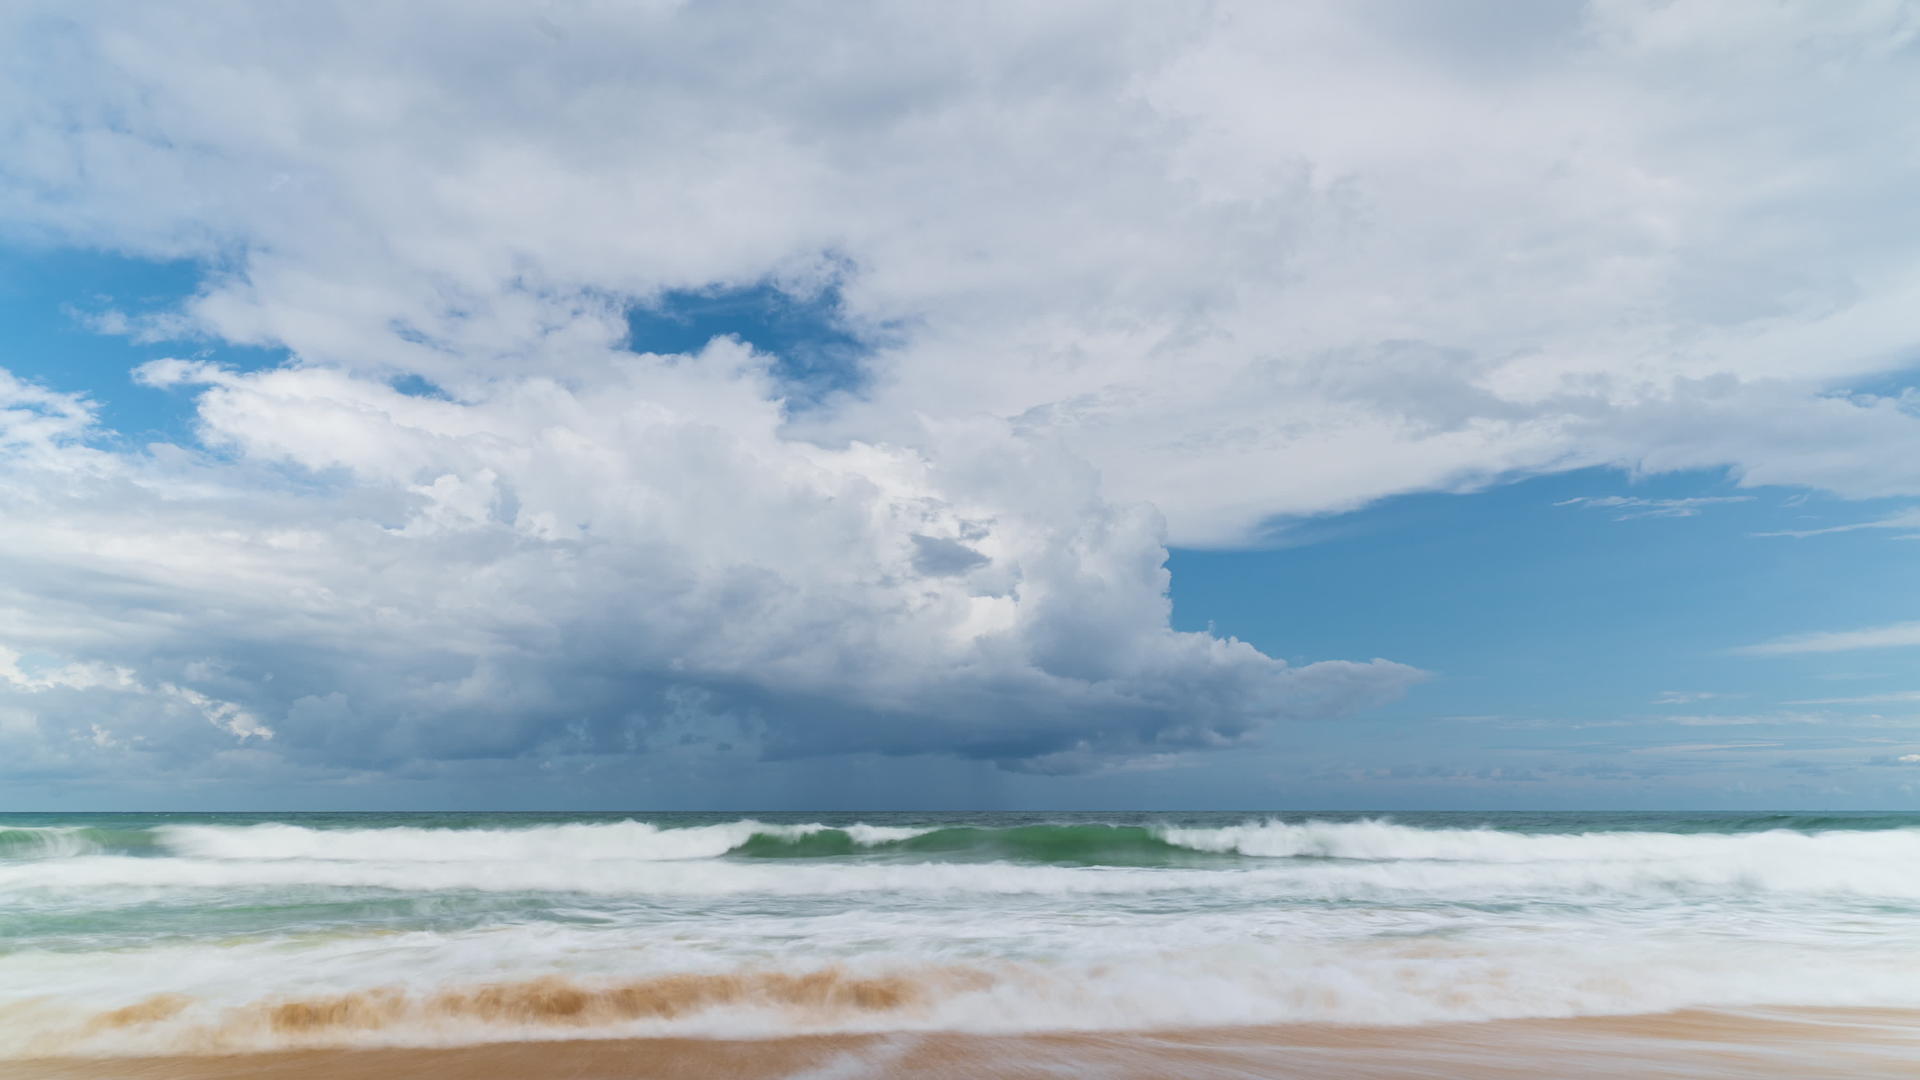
{"x":1701,"y":748}
{"x":1865,"y":699}
{"x":1894,"y":636}
{"x":1629,"y":507}
{"x":1906,"y":519}
{"x":1747,"y":719}
{"x":1688,"y":697}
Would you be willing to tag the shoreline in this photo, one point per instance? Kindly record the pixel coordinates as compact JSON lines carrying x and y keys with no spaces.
{"x":1808,"y":1044}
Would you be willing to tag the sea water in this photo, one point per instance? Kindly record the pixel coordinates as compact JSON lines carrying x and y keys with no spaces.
{"x":199,"y":933}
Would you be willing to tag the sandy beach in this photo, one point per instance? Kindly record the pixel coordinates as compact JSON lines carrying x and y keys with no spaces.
{"x":1812,"y":1044}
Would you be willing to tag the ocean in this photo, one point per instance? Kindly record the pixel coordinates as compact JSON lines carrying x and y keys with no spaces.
{"x":190,"y":936}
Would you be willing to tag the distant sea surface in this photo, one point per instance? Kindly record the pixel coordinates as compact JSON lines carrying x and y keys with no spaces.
{"x":179,"y":936}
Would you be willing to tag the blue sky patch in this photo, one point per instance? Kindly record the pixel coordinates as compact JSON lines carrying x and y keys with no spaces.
{"x":815,"y":355}
{"x":53,"y":304}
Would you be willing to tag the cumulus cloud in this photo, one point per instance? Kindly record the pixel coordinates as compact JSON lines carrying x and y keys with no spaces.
{"x":1124,"y":275}
{"x":544,"y":569}
{"x":1143,"y":233}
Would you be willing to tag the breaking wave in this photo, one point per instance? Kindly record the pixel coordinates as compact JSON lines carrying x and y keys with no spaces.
{"x":57,"y":841}
{"x":129,"y":935}
{"x":1326,"y":860}
{"x":1378,"y":841}
{"x":608,"y":840}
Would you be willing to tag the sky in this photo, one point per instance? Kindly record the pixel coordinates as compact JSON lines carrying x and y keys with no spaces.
{"x":683,"y":405}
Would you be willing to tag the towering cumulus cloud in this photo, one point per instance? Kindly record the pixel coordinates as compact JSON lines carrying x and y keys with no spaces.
{"x":580,"y":564}
{"x":1116,"y":276}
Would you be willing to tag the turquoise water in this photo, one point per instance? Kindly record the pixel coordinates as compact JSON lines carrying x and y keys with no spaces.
{"x":205,"y":924}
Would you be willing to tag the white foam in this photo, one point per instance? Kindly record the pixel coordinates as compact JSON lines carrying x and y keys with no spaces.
{"x":1382,"y":841}
{"x":1164,"y":974}
{"x":1425,"y":925}
{"x":560,"y":872}
{"x":640,"y":860}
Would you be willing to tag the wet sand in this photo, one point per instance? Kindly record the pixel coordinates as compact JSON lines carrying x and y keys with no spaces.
{"x":1841,"y":1044}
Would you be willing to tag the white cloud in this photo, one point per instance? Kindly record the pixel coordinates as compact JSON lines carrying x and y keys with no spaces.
{"x":540,"y":568}
{"x":121,"y":682}
{"x":1140,"y":233}
{"x":1687,"y":697}
{"x":1906,"y":519}
{"x":1697,"y":748}
{"x":1866,"y":699}
{"x":1898,"y":635}
{"x":1131,"y":274}
{"x":1631,"y":507}
{"x":1750,"y":719}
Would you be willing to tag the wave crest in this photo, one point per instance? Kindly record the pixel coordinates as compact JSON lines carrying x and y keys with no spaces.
{"x":584,"y":841}
{"x":68,"y":841}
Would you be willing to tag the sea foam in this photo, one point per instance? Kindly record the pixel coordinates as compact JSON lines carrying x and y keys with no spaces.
{"x":205,"y":935}
{"x":1313,"y":860}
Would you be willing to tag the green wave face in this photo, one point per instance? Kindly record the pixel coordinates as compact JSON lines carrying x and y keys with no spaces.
{"x":54,"y":841}
{"x":1068,"y":845}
